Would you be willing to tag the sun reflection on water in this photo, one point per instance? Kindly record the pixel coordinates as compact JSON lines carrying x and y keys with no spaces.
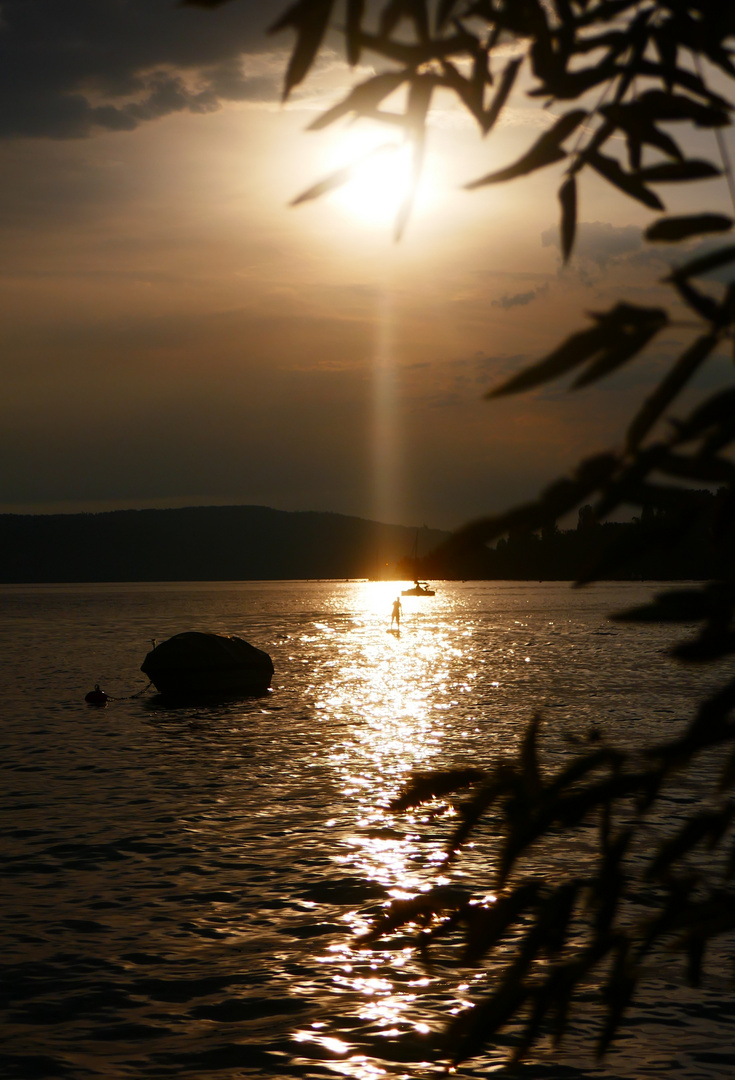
{"x":392,"y":690}
{"x":389,"y":697}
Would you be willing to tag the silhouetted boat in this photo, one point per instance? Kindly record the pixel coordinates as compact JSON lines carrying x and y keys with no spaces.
{"x":195,"y":664}
{"x":420,"y":588}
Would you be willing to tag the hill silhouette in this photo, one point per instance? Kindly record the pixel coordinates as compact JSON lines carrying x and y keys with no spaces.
{"x":207,"y":543}
{"x":241,"y":543}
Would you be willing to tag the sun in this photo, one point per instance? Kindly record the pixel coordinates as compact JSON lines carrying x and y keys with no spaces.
{"x":380,"y":180}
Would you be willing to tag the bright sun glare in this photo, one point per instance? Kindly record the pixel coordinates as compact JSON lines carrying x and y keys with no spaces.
{"x":381,"y":180}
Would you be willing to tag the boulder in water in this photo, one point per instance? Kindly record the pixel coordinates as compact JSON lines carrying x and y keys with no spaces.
{"x":198,"y":664}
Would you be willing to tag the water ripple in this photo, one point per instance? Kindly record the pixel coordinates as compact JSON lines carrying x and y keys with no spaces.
{"x":185,"y":886}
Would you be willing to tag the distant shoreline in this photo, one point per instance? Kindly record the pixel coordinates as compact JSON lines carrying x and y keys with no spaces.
{"x":256,"y":543}
{"x":209,"y":543}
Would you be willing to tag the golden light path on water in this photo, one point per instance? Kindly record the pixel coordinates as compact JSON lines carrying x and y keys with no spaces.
{"x":391,"y":692}
{"x":456,"y":687}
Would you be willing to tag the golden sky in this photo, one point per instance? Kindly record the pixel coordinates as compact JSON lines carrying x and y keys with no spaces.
{"x":174,"y":333}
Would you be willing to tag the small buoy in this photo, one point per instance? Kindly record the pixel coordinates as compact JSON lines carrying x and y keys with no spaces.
{"x":96,"y":696}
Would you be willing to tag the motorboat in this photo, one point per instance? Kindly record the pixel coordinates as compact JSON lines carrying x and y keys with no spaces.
{"x":420,"y":588}
{"x":195,"y":664}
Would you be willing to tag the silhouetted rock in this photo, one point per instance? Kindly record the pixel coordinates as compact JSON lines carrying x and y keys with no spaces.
{"x":193,"y":664}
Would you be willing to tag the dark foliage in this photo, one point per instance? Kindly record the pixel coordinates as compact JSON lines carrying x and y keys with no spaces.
{"x":618,"y":78}
{"x":663,"y":544}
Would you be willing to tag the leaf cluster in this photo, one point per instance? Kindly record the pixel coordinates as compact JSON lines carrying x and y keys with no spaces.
{"x":619,"y":81}
{"x":546,"y":940}
{"x":628,"y":60}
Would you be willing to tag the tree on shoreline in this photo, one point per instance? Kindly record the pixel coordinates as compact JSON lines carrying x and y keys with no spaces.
{"x":618,"y":79}
{"x":649,"y":548}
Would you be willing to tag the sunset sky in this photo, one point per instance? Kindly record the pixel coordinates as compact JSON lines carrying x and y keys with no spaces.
{"x":173,"y":333}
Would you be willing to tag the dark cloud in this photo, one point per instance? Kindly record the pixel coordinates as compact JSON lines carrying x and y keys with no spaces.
{"x":520,"y":299}
{"x":599,"y":242}
{"x":68,"y":67}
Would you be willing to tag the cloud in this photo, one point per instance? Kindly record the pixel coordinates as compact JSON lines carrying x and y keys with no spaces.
{"x":520,"y":299}
{"x":67,"y":69}
{"x":599,"y":242}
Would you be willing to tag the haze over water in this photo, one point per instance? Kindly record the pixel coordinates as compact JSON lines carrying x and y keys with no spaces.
{"x":183,"y":887}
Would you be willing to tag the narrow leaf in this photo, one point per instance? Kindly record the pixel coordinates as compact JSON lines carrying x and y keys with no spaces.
{"x":498,"y":783}
{"x":618,"y":994}
{"x":574,"y":351}
{"x":655,"y":405}
{"x":486,"y":926}
{"x":705,"y":263}
{"x":310,"y":19}
{"x":469,"y":91}
{"x":624,"y":181}
{"x":396,"y":10}
{"x":362,"y":100}
{"x":708,"y":826}
{"x":545,"y":151}
{"x":530,"y":770}
{"x":704,"y":468}
{"x":355,"y":12}
{"x":419,"y":908}
{"x":431,"y":785}
{"x":392,"y":13}
{"x":581,"y":767}
{"x":710,"y":414}
{"x":695,"y":958}
{"x":660,"y":105}
{"x":677,"y":171}
{"x":472,"y":1029}
{"x":680,"y":605}
{"x":558,"y":499}
{"x":689,"y":81}
{"x":568,"y":200}
{"x":673,"y":229}
{"x":708,"y":646}
{"x":698,"y":301}
{"x":663,"y":142}
{"x":629,"y":328}
{"x":413,"y":55}
{"x":419,"y":101}
{"x":542,"y":1003}
{"x":480,"y":77}
{"x":619,"y":334}
{"x":501,"y":94}
{"x":571,"y":85}
{"x":446,"y":7}
{"x":620,"y":352}
{"x":640,"y":129}
{"x":339,"y":178}
{"x":667,"y":48}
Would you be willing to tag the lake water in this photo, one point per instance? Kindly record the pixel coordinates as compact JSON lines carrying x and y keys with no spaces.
{"x":183,"y":888}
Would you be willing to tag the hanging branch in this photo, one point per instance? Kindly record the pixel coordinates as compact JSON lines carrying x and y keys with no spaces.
{"x":631,"y":58}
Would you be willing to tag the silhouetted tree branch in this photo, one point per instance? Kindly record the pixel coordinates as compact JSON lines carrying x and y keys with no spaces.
{"x":616,"y":77}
